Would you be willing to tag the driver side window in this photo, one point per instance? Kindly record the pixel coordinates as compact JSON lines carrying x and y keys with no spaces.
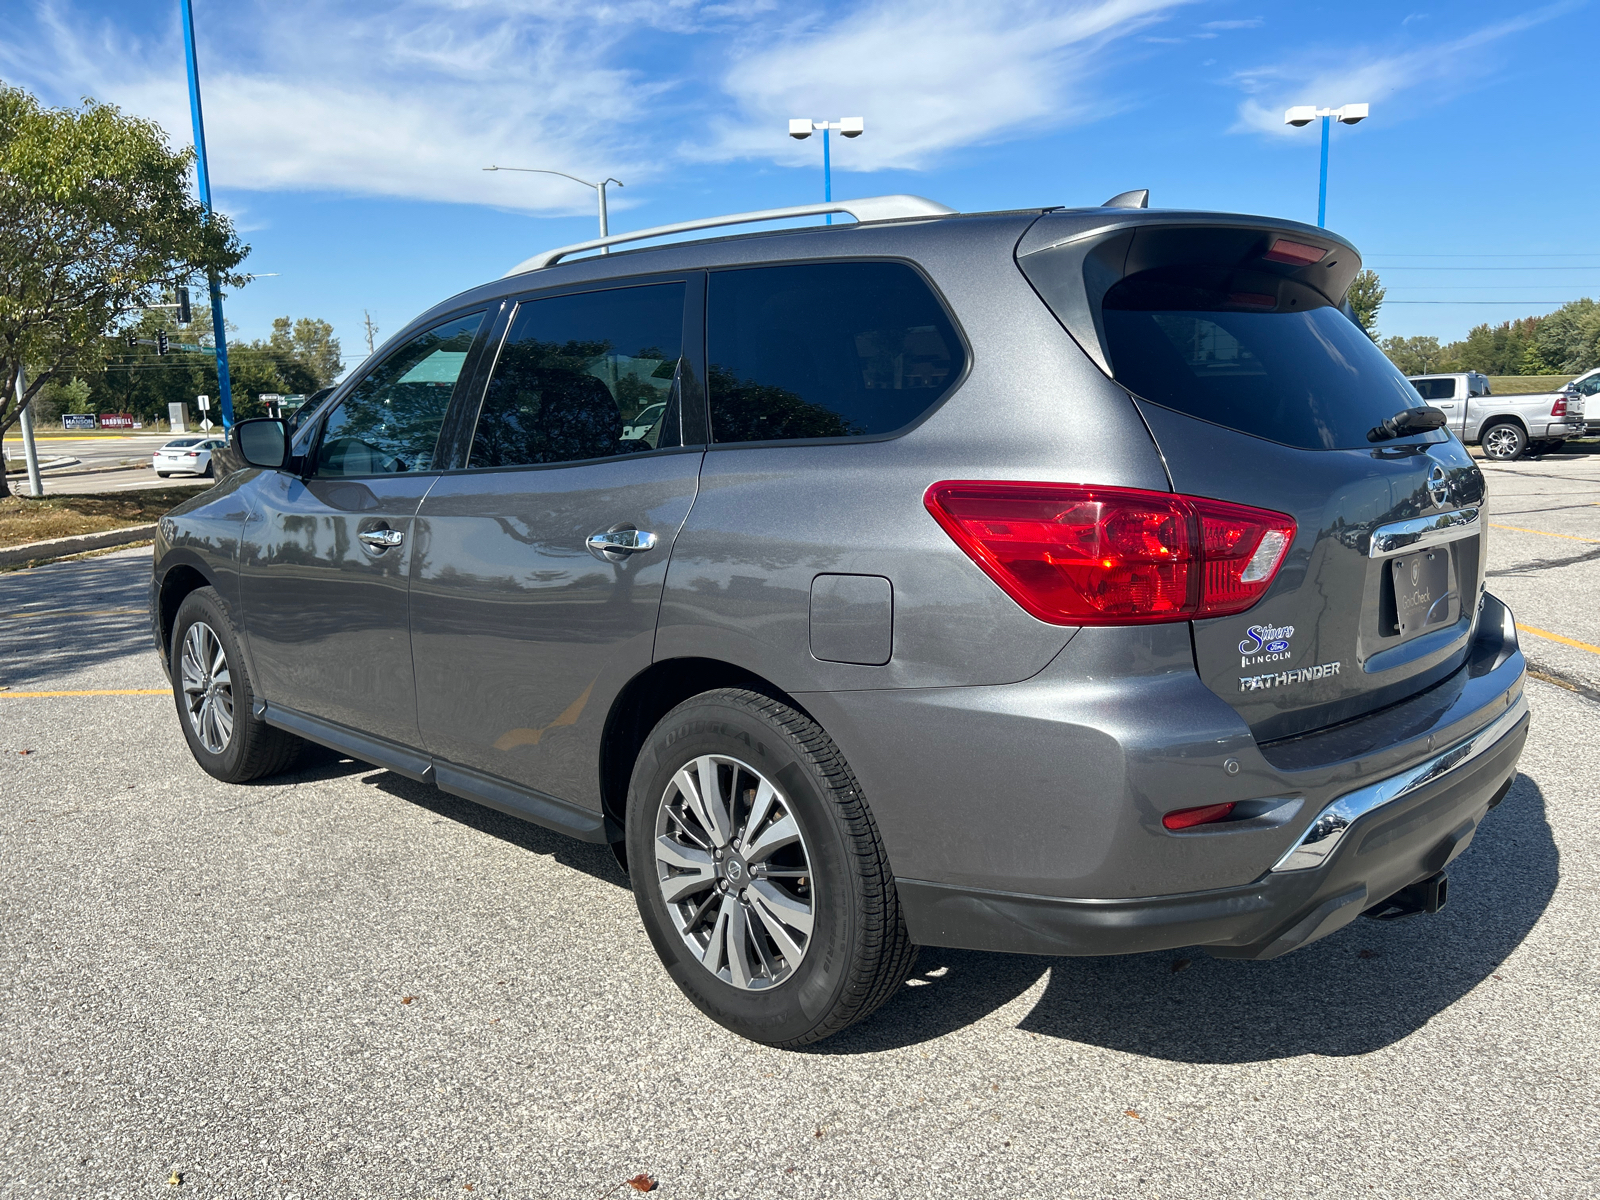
{"x":391,"y":421}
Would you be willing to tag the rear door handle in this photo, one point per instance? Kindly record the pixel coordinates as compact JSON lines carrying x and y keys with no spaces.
{"x":621,"y":542}
{"x":382,"y":539}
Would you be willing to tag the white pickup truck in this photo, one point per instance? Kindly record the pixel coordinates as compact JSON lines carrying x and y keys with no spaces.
{"x":1506,"y":426}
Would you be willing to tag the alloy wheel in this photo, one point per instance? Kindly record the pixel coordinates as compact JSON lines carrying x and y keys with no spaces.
{"x":207,"y":687}
{"x":734,"y":871}
{"x":1502,"y":443}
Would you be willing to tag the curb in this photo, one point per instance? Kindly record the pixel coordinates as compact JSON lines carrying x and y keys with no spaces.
{"x":54,"y":548}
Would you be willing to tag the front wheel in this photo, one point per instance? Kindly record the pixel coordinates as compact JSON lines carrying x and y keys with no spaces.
{"x":759,"y":872}
{"x":215,"y":698}
{"x":1504,"y":442}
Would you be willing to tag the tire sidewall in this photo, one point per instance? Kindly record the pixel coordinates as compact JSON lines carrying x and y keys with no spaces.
{"x":794,"y":1008}
{"x":205,"y":605}
{"x":1521,"y":448}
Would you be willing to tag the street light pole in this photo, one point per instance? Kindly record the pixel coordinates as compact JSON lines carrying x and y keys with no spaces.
{"x":598,"y":187}
{"x":801,"y":128}
{"x":218,"y":328}
{"x":1303,"y":114}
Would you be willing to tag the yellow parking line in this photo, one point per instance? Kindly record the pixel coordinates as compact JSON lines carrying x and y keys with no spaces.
{"x":76,"y":612}
{"x":1556,"y":637}
{"x":107,"y":692}
{"x":1545,"y":532}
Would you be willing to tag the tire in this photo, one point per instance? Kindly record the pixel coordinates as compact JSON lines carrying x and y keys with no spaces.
{"x":214,"y":705}
{"x":770,"y":981}
{"x":163,"y":474}
{"x":210,"y":472}
{"x":1504,"y":442}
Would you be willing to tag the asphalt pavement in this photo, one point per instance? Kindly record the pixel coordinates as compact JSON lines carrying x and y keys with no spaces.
{"x":343,"y":983}
{"x":107,"y":463}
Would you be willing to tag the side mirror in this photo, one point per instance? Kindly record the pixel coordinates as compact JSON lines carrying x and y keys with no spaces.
{"x":262,"y":442}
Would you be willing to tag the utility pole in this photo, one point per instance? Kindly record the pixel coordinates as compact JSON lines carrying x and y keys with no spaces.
{"x":218,"y":327}
{"x":30,"y":451}
{"x":372,"y":331}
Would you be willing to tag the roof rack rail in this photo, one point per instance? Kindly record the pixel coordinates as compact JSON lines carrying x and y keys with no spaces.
{"x":868,"y":208}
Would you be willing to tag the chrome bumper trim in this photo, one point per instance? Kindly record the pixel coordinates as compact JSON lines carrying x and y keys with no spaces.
{"x":1423,"y":531}
{"x":1319,"y":842}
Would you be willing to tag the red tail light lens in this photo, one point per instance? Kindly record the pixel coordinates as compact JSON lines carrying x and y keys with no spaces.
{"x":1559,"y":408}
{"x":1188,"y":818}
{"x":1074,"y":554}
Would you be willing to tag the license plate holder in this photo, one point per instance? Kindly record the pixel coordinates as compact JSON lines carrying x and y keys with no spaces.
{"x":1423,"y":589}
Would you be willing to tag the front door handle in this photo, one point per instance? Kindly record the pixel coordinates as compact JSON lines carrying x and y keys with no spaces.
{"x":382,"y":539}
{"x":621,"y":542}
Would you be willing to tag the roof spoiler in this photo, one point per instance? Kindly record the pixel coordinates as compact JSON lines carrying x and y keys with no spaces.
{"x":869,"y":208}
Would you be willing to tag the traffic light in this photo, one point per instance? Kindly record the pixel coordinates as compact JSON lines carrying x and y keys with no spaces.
{"x":161,"y":343}
{"x":133,"y":341}
{"x":184,"y":315}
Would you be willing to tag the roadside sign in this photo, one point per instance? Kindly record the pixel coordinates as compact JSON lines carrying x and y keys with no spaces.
{"x":77,"y":420}
{"x":205,"y":424}
{"x":205,"y":403}
{"x":116,"y":420}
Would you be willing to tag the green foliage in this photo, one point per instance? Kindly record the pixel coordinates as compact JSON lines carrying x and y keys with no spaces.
{"x":96,"y":217}
{"x":1418,"y":355}
{"x":310,"y":342}
{"x":1366,"y":298}
{"x":1565,"y":342}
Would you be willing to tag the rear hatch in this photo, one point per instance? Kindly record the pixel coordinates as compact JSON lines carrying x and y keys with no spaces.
{"x":1232,"y":338}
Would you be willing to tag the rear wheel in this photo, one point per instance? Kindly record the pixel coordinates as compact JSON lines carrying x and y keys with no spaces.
{"x":759,"y":872}
{"x":162,"y":474}
{"x":1504,"y":442}
{"x":214,"y":696}
{"x":210,"y":472}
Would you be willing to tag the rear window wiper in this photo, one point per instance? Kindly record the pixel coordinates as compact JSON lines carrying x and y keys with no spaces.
{"x":1408,"y":421}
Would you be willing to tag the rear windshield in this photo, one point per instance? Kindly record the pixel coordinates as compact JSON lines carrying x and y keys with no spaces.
{"x":1256,"y":353}
{"x":1435,"y":389}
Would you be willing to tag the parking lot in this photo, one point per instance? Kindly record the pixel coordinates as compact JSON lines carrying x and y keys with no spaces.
{"x":343,"y":983}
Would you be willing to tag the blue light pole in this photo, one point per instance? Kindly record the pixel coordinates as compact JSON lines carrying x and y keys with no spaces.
{"x":218,"y":328}
{"x":801,"y":128}
{"x":1303,"y":114}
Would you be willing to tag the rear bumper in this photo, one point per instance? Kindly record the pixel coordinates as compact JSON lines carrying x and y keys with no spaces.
{"x":1388,"y":835}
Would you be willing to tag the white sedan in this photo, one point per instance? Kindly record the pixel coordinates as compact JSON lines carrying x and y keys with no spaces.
{"x":186,"y":456}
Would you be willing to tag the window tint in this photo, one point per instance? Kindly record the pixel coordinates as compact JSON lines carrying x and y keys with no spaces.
{"x":1259,"y":354}
{"x":1589,"y":386}
{"x":825,"y":350}
{"x":390,"y":422}
{"x":1435,"y":389}
{"x":584,"y":376}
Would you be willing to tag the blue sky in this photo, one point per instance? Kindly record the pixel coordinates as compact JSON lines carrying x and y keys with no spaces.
{"x":347,"y":138}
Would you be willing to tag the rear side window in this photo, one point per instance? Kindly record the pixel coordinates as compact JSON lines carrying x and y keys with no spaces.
{"x":1435,"y":389}
{"x":584,"y":376}
{"x":825,"y":350}
{"x":1257,"y":353}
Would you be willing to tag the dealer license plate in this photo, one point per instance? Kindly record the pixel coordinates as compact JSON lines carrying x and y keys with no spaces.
{"x":1422,"y":590}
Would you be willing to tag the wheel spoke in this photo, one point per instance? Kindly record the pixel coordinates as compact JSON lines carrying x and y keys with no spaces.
{"x":711,"y":798}
{"x":689,"y":788}
{"x":740,"y":968}
{"x":696,"y":867}
{"x":760,"y":807}
{"x":779,"y":914}
{"x":716,"y":955}
{"x":222,"y":717}
{"x":780,"y":834}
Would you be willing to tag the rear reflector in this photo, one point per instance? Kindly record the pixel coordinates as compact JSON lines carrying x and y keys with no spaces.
{"x":1188,"y":818}
{"x":1073,"y":554}
{"x":1295,"y":253}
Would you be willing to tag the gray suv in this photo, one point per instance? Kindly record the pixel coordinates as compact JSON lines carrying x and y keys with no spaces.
{"x":1066,"y":582}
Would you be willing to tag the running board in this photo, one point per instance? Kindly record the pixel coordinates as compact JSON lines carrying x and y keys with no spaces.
{"x":584,"y":824}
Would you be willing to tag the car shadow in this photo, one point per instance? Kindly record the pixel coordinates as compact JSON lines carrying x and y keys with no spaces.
{"x":1360,"y":989}
{"x":593,"y":860}
{"x":60,"y":619}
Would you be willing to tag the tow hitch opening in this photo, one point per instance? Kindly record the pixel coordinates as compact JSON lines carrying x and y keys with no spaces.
{"x":1425,"y":896}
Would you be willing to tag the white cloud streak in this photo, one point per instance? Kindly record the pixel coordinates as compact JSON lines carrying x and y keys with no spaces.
{"x":413,"y":100}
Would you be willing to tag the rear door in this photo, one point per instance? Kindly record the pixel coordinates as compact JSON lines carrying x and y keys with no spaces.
{"x":1259,"y":390}
{"x":539,"y":567}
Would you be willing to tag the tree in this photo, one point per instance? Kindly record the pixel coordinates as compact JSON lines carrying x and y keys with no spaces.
{"x":1416,"y":355}
{"x":1366,"y":297}
{"x":96,"y":218}
{"x":310,"y":342}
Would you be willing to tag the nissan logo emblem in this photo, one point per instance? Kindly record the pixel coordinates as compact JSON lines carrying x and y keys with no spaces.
{"x":1438,"y":486}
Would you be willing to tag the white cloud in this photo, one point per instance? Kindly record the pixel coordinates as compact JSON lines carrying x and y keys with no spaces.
{"x":930,"y":77}
{"x":413,"y":99}
{"x":1444,"y":69}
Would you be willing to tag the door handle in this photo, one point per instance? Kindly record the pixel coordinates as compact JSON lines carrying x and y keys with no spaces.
{"x":382,"y":539}
{"x":621,"y":541}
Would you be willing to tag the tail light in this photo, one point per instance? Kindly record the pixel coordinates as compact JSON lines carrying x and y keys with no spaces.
{"x":1188,"y":818}
{"x":1074,"y":554}
{"x":1559,"y":408}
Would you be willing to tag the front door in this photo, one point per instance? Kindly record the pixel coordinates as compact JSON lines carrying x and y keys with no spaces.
{"x":538,"y":579}
{"x":329,"y":552}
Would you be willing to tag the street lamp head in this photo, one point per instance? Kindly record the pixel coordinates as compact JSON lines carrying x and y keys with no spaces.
{"x":1350,"y":114}
{"x":852,"y":126}
{"x":1300,"y":114}
{"x":800,"y":128}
